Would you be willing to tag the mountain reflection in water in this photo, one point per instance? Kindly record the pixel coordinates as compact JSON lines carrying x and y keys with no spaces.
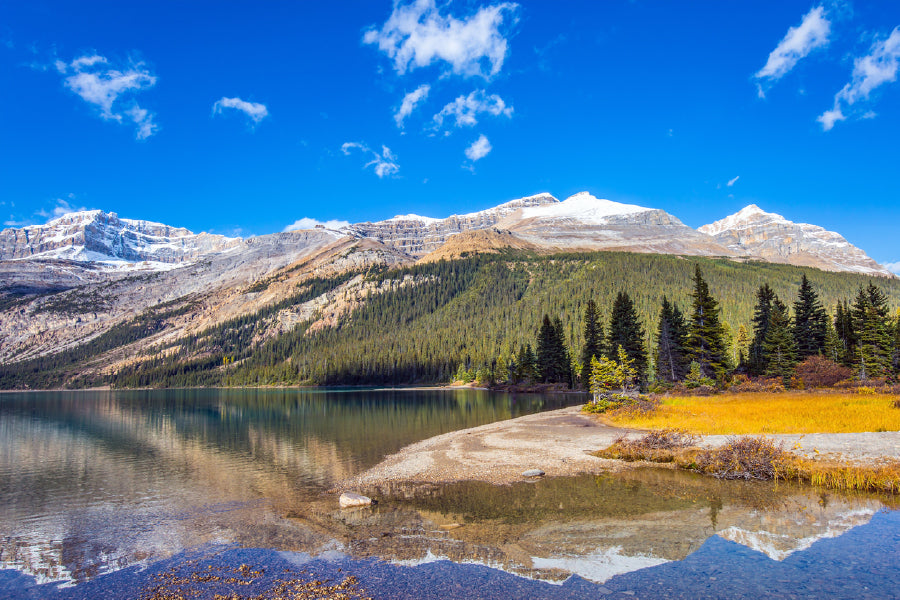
{"x":94,"y":482}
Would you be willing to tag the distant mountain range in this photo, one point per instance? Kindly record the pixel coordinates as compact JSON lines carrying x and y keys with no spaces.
{"x":581,"y":222}
{"x":65,"y":283}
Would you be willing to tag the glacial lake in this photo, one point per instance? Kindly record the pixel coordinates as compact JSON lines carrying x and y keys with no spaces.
{"x":103,"y":492}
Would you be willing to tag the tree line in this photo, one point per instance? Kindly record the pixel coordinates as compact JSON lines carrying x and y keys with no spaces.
{"x":862,"y":336}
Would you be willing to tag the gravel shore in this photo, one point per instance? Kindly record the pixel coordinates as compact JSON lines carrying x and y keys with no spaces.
{"x":559,"y":442}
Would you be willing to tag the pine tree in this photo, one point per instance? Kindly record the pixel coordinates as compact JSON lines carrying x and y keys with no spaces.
{"x":874,"y":339}
{"x":706,"y":341}
{"x":742,"y":347}
{"x":593,"y":340}
{"x":779,"y":346}
{"x":552,"y":358}
{"x":525,"y":364}
{"x":625,"y":330}
{"x":843,"y":324}
{"x":834,"y":349}
{"x":671,"y":335}
{"x":895,"y":355}
{"x":810,"y":321}
{"x":761,"y":313}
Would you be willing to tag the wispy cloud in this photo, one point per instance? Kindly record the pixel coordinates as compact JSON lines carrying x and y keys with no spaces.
{"x":410,"y":101}
{"x":799,"y":41}
{"x":731,"y":182}
{"x":869,"y":72}
{"x":255,"y":111}
{"x":479,"y":148}
{"x":416,"y":35}
{"x":109,"y":89}
{"x":383,"y":163}
{"x":58,"y":207}
{"x":465,"y":109}
{"x":61,"y":207}
{"x":893,"y":267}
{"x":309,"y":223}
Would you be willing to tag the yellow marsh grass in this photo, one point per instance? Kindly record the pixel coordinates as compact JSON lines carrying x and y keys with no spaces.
{"x":788,"y":412}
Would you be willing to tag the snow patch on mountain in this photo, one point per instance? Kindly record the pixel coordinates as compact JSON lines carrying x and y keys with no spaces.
{"x":585,"y":208}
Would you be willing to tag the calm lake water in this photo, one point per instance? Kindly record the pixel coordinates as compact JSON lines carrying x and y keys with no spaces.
{"x":100,"y":492}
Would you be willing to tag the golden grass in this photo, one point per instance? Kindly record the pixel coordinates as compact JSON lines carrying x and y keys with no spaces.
{"x":757,"y":413}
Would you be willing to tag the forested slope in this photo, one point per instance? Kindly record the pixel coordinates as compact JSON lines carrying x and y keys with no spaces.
{"x":472,"y":311}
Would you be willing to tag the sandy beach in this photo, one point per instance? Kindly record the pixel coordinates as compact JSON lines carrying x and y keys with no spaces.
{"x":559,"y":443}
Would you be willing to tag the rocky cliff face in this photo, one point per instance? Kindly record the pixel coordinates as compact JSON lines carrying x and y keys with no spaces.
{"x":97,"y":236}
{"x":417,"y":236}
{"x":754,"y":233}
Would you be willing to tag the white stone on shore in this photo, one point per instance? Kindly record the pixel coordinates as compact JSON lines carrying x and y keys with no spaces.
{"x":349,"y":499}
{"x":533,"y":473}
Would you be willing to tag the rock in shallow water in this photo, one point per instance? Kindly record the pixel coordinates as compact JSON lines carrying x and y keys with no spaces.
{"x":533,"y":473}
{"x":349,"y":499}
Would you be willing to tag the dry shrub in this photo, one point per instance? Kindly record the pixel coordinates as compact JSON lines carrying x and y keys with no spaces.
{"x":643,"y":406}
{"x":767,"y":385}
{"x":817,"y":371}
{"x":746,"y":458}
{"x":657,"y":446}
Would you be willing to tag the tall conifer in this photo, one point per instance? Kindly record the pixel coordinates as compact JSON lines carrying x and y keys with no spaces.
{"x":760,"y":320}
{"x":874,"y":339}
{"x":706,"y":336}
{"x":593,"y":340}
{"x":810,"y":321}
{"x":625,"y":330}
{"x":779,"y":346}
{"x":671,"y":335}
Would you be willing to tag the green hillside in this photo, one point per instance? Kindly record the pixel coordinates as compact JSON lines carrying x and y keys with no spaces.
{"x":472,"y":311}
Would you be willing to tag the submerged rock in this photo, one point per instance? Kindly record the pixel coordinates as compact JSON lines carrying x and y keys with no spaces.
{"x":349,"y":499}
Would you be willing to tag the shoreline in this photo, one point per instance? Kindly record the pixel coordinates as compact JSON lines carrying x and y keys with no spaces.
{"x":561,"y":443}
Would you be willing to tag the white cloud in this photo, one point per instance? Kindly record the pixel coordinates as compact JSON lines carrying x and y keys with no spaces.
{"x":731,"y":182}
{"x":417,"y":35}
{"x":384,"y":163}
{"x":60,"y":208}
{"x":893,"y":267}
{"x":93,"y":79}
{"x":308,"y":223}
{"x":479,"y":149}
{"x":869,"y":72}
{"x":255,"y":111}
{"x":799,"y":41}
{"x":410,"y":101}
{"x":465,"y":109}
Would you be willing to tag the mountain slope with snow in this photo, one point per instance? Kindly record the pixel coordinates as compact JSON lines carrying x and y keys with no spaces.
{"x":755,"y":233}
{"x":96,"y":236}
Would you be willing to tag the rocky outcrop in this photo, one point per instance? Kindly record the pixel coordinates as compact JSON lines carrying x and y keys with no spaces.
{"x":417,"y":236}
{"x":96,"y":236}
{"x":754,"y":233}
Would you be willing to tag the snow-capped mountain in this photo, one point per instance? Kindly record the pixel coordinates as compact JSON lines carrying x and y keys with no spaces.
{"x":96,"y":236}
{"x":754,"y":233}
{"x":579,"y":222}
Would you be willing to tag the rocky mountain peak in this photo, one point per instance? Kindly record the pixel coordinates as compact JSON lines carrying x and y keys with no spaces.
{"x":97,"y":236}
{"x":769,"y":236}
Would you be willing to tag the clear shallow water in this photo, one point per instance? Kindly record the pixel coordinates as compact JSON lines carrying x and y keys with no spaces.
{"x":96,"y":484}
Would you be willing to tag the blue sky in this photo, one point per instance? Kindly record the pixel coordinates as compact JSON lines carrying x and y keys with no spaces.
{"x":240,"y":117}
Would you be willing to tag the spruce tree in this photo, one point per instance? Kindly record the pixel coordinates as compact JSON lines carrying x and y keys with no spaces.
{"x":552,"y":357}
{"x":706,"y":336}
{"x":625,"y":330}
{"x":760,"y":320}
{"x":671,"y":335}
{"x":872,"y":327}
{"x":895,"y":360}
{"x":593,"y":340}
{"x":779,"y":346}
{"x":810,"y":321}
{"x":843,"y":324}
{"x":834,"y":349}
